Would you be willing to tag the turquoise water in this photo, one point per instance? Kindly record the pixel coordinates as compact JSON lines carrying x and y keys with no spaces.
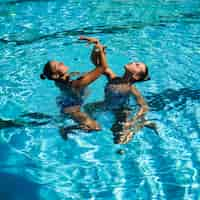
{"x":37,"y":164}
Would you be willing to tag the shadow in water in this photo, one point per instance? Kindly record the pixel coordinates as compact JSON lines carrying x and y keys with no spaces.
{"x":18,"y":124}
{"x":14,"y":2}
{"x":27,"y":119}
{"x":168,"y":99}
{"x":172,"y":99}
{"x":14,"y":187}
{"x":36,"y":115}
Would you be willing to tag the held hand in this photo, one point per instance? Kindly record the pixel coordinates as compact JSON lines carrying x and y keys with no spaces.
{"x":96,"y":54}
{"x":89,"y":40}
{"x":99,"y":47}
{"x":97,"y":51}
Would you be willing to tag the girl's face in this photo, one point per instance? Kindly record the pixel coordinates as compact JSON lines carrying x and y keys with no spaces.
{"x":58,"y":70}
{"x":135,"y":69}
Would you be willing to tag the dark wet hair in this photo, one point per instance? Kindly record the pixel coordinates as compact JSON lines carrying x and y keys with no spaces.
{"x":46,"y":71}
{"x":145,"y":75}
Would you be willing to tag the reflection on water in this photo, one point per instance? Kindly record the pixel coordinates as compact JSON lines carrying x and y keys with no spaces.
{"x":163,"y":34}
{"x":172,"y":99}
{"x":167,"y":100}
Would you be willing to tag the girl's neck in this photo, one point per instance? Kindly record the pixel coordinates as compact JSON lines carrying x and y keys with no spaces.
{"x":127,"y":78}
{"x":64,"y":79}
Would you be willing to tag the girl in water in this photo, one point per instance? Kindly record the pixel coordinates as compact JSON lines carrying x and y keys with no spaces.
{"x":73,"y":90}
{"x":117,"y":94}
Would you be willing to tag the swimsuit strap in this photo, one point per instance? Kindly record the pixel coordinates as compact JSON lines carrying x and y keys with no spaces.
{"x":118,"y":80}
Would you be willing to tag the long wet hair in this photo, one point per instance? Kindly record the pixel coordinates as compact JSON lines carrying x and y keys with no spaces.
{"x":47,"y":72}
{"x":145,"y":75}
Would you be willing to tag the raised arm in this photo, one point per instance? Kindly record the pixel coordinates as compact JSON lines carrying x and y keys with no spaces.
{"x":97,"y":58}
{"x":89,"y":39}
{"x":91,"y":76}
{"x":109,"y":74}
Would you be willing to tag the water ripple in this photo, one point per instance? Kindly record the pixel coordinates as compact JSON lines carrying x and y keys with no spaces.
{"x":86,"y":166}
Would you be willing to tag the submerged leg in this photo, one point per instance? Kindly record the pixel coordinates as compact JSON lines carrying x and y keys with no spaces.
{"x":84,"y":122}
{"x":127,"y":135}
{"x":124,"y":129}
{"x":118,"y":129}
{"x":92,"y":108}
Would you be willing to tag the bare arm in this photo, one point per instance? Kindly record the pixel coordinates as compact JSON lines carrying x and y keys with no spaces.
{"x":143,"y":107}
{"x":141,"y":102}
{"x":109,"y":74}
{"x":98,"y":59}
{"x":94,"y":74}
{"x":132,"y":126}
{"x":89,"y":39}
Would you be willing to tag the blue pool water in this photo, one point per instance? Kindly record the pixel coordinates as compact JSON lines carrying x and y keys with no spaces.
{"x":37,"y":164}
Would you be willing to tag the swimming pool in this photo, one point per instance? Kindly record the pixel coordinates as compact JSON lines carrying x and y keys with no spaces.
{"x":37,"y":164}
